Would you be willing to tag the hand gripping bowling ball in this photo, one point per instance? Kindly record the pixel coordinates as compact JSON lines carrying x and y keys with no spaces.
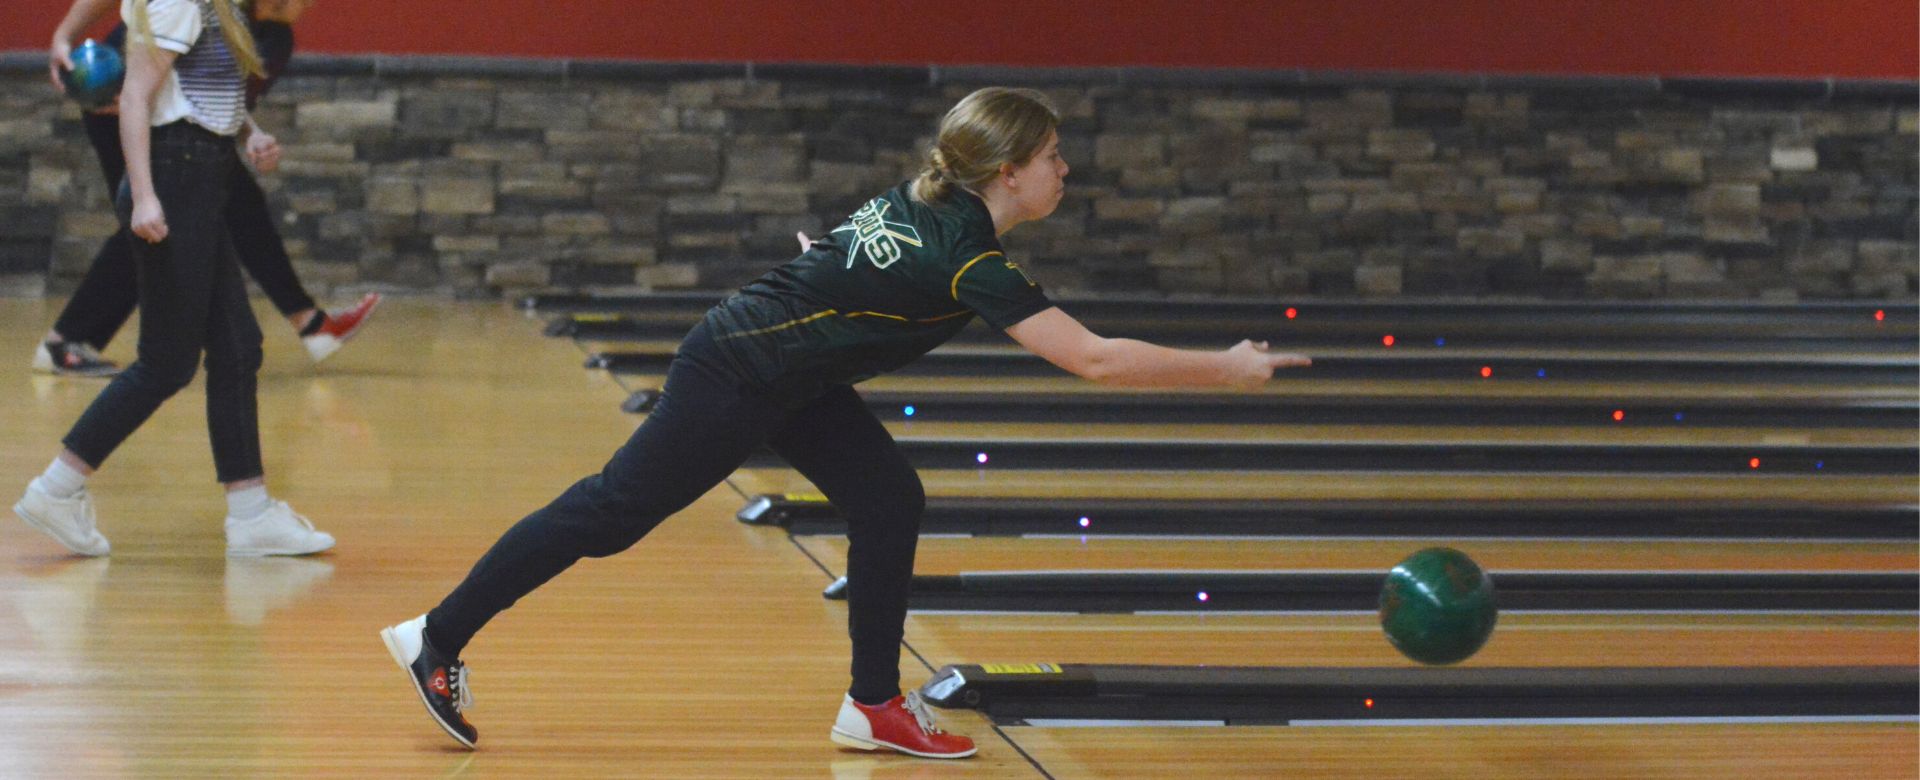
{"x":1437,"y":606}
{"x":95,"y":79}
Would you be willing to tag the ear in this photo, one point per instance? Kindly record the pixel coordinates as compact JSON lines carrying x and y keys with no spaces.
{"x":1006,"y":173}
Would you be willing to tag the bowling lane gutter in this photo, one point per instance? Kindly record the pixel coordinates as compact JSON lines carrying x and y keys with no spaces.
{"x":1477,"y":336}
{"x":1814,"y":410}
{"x":1240,"y":591}
{"x":1468,"y":456}
{"x":804,"y":515}
{"x":1734,"y":319}
{"x":1420,"y":365}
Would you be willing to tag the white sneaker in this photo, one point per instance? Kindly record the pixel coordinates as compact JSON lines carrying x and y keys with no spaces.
{"x":277,"y":531}
{"x":68,"y":520}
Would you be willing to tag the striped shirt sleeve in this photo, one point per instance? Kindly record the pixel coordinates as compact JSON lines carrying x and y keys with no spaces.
{"x":176,"y":23}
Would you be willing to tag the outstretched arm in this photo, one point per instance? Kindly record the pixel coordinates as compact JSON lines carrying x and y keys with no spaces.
{"x":1064,"y":342}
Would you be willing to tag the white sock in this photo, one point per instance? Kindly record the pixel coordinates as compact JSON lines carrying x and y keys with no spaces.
{"x":62,"y":480}
{"x":248,"y":503}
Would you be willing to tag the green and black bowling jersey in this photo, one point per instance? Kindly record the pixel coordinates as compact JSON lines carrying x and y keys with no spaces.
{"x":898,"y":279}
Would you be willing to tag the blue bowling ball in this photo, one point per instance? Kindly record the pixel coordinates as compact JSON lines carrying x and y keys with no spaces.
{"x":95,"y":79}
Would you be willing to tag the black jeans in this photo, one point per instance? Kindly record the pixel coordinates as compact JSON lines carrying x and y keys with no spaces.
{"x":191,"y":298}
{"x":107,"y":294}
{"x":704,"y":426}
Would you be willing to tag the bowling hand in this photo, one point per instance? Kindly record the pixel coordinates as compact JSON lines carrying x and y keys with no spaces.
{"x":1251,"y":365}
{"x":149,"y":222}
{"x":59,"y":60}
{"x":263,"y":150}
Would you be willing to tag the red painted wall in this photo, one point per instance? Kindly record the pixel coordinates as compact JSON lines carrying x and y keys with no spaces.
{"x":1798,"y":38}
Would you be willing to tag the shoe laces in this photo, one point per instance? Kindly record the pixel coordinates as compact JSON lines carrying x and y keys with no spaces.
{"x":460,"y":684}
{"x":921,"y":715}
{"x":295,"y":516}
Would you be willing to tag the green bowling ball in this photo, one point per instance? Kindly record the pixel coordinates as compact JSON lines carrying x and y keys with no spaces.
{"x":1437,"y":606}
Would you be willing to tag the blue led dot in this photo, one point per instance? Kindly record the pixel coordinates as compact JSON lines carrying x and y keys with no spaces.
{"x":909,"y":411}
{"x":1542,"y":373}
{"x":1819,"y":464}
{"x":1678,"y":416}
{"x":1084,"y":522}
{"x":1202,"y":596}
{"x":1439,"y":342}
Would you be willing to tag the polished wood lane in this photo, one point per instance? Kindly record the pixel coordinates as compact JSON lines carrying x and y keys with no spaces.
{"x":1757,"y":352}
{"x":1473,"y":387}
{"x":1422,"y":486}
{"x":704,"y":652}
{"x":1410,"y":434}
{"x":1522,"y":639}
{"x":1865,"y":751}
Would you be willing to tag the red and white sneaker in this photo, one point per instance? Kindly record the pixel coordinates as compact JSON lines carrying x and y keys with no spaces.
{"x":903,"y":725}
{"x":339,"y":327}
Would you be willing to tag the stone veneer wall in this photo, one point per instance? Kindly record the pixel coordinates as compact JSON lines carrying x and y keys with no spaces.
{"x":483,"y":177}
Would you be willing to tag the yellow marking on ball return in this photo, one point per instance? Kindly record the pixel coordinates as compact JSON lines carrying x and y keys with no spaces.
{"x":1021,"y":668}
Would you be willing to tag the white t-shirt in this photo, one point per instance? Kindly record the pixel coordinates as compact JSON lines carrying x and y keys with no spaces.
{"x":205,"y":86}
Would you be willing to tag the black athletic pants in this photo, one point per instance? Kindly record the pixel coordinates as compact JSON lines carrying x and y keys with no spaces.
{"x":191,"y":298}
{"x":704,"y":426}
{"x":107,"y":294}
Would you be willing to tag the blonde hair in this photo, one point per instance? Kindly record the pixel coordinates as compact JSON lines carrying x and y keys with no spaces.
{"x":233,"y":27}
{"x":989,"y":128}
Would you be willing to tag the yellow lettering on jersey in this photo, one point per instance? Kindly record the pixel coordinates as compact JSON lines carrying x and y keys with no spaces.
{"x":1022,"y":272}
{"x":875,"y":237}
{"x":883,"y":253}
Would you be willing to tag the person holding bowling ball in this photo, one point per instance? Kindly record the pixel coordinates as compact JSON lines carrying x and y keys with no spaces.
{"x":107,"y":293}
{"x":181,"y":109}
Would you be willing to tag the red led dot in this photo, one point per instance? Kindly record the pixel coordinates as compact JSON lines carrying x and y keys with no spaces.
{"x":1387,"y":340}
{"x":1880,"y":315}
{"x":1619,"y":414}
{"x":1486,"y":371}
{"x":1292,"y":312}
{"x":1369,"y":704}
{"x":1753,"y":464}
